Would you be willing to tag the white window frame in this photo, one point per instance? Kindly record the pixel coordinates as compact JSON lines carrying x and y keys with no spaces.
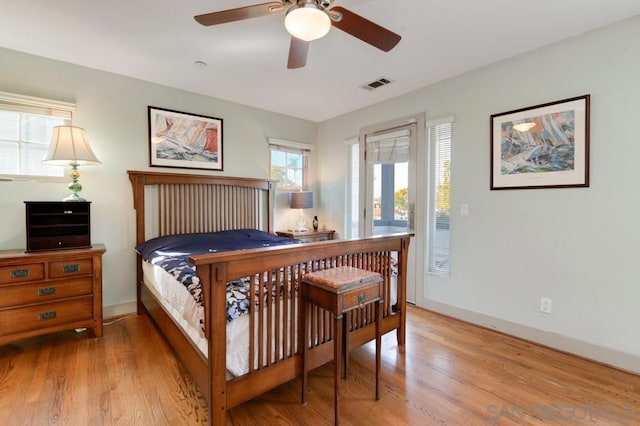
{"x":435,"y":242}
{"x":35,"y":106}
{"x":352,"y":190}
{"x":293,"y":148}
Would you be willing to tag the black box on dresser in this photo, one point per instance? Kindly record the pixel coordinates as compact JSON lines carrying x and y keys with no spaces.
{"x":57,"y":225}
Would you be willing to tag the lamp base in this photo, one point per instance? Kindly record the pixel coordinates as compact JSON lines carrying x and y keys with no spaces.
{"x":300,"y":224}
{"x":73,"y":197}
{"x":74,"y":186}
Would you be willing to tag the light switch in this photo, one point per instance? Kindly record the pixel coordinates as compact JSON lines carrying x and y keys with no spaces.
{"x":464,"y":209}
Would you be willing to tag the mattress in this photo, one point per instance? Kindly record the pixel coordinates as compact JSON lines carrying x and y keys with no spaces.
{"x":180,"y":304}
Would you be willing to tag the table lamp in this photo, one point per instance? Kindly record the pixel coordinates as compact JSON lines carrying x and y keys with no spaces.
{"x":301,"y":200}
{"x":70,"y":147}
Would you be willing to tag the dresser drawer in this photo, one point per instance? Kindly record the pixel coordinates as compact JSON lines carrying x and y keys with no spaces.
{"x":69,"y":268}
{"x":46,"y":315}
{"x":358,"y":297}
{"x":21,"y":273}
{"x":24,"y":294}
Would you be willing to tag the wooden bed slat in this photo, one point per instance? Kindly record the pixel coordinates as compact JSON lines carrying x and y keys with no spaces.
{"x":205,"y":208}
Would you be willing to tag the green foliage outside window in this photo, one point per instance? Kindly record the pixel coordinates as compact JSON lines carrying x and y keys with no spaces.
{"x":288,"y":169}
{"x":443,"y":198}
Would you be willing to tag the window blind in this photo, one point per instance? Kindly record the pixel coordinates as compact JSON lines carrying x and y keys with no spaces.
{"x":290,"y":147}
{"x":439,"y":253}
{"x":36,"y":106}
{"x":391,"y":147}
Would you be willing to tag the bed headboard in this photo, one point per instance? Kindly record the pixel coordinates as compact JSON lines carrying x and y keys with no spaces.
{"x":174,"y":203}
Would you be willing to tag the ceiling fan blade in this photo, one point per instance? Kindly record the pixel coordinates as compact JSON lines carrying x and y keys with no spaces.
{"x":365,"y":30}
{"x":298,"y":51}
{"x":240,"y":13}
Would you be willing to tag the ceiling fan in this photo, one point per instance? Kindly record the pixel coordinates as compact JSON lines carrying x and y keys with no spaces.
{"x":308,"y":20}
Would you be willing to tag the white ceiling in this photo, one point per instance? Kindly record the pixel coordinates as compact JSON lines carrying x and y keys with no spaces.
{"x":158,"y":41}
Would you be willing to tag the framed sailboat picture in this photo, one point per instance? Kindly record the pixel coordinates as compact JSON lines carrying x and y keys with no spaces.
{"x":178,"y":139}
{"x":544,"y":146}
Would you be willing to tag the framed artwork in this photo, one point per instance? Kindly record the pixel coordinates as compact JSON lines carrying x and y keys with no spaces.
{"x":543,"y":146}
{"x":178,"y":139}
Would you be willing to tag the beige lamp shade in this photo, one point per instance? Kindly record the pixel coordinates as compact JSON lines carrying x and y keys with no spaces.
{"x":70,"y":146}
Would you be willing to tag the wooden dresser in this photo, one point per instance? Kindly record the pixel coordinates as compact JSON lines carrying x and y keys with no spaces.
{"x":49,"y":291}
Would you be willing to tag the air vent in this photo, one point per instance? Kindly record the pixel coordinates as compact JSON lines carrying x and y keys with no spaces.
{"x":377,"y":83}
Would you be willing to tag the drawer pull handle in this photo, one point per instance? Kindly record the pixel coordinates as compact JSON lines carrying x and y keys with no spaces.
{"x":43,"y":316}
{"x":71,"y":268}
{"x":46,"y":291}
{"x":19,"y":273}
{"x":68,"y":212}
{"x":361,"y":299}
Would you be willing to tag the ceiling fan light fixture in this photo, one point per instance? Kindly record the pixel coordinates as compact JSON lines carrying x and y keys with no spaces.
{"x":307,"y":22}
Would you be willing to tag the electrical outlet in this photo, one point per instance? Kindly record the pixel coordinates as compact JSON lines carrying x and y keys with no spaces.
{"x":545,"y":305}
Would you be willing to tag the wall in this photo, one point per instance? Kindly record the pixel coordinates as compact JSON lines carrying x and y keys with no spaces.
{"x":113,"y":110}
{"x":577,"y":246}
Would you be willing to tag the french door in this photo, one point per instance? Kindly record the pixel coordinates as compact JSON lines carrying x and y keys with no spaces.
{"x":390,"y":198}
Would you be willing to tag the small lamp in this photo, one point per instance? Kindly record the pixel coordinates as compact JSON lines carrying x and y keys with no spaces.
{"x":69,"y":146}
{"x":301,"y":200}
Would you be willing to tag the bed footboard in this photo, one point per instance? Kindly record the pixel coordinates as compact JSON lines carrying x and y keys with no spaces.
{"x":275,"y":340}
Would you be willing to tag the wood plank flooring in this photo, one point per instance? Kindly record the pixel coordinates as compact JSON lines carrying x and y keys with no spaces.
{"x":449,"y":373}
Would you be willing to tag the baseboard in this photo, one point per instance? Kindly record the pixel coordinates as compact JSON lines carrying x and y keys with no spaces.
{"x":620,"y":360}
{"x":119,"y":310}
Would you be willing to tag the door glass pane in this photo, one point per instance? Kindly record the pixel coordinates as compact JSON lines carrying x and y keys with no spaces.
{"x":390,"y":197}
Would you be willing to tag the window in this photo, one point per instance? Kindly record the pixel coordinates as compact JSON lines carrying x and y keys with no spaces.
{"x":439,"y":253}
{"x":353,"y":188}
{"x":26,"y":125}
{"x":289,"y":164}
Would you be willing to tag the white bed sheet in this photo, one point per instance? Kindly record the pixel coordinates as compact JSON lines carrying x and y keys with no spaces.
{"x":181,"y":305}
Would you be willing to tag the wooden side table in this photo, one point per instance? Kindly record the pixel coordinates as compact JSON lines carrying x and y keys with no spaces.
{"x":309,"y":237}
{"x":340,"y":290}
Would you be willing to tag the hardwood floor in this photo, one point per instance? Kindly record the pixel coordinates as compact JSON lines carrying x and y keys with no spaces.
{"x":449,"y":373}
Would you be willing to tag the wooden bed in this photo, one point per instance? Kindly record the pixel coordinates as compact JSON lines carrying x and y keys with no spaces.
{"x":171,"y":203}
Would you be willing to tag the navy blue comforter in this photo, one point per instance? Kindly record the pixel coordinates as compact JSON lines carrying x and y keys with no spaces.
{"x":172,"y":254}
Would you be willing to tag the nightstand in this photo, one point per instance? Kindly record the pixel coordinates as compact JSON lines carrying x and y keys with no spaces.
{"x":50,"y":291}
{"x":339,"y":291}
{"x":309,"y":237}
